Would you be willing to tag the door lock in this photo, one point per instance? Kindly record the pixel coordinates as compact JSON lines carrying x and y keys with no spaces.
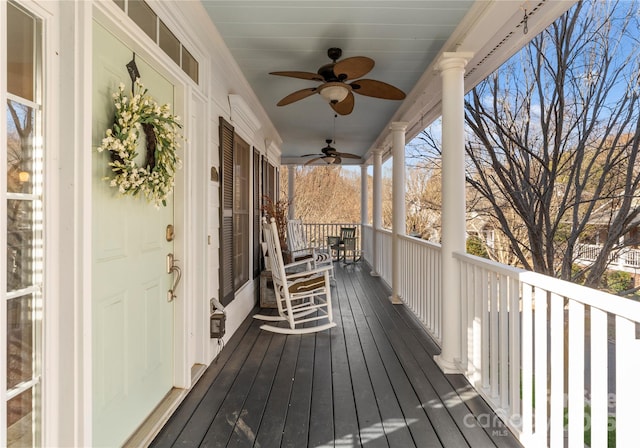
{"x":169,"y":233}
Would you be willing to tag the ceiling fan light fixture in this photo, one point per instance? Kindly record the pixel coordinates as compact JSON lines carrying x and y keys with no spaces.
{"x":334,"y":92}
{"x":329,"y":159}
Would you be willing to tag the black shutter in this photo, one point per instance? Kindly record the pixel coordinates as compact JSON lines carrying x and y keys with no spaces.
{"x":226,"y":212}
{"x":257,"y":200}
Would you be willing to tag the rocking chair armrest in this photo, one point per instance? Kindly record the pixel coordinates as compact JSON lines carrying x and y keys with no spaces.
{"x":304,"y":252}
{"x":303,"y":249}
{"x":297,"y":263}
{"x":319,"y":270}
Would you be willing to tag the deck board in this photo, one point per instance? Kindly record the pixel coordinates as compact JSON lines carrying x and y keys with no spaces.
{"x":170,"y":433}
{"x":322,"y":403}
{"x":371,"y":380}
{"x":272,"y":424}
{"x":344,"y":409}
{"x":253,"y":410}
{"x":394,"y":424}
{"x":229,"y":412}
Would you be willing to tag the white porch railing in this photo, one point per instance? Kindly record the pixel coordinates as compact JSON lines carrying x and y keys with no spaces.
{"x":555,"y":360}
{"x":317,"y":233}
{"x":420,"y":287}
{"x":419,"y":279}
{"x":555,"y":336}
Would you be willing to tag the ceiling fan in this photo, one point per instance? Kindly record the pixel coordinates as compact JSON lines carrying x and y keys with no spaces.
{"x":335,"y":90}
{"x":330,"y":155}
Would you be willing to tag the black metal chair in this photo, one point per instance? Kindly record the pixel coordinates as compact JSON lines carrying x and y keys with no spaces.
{"x":340,"y":245}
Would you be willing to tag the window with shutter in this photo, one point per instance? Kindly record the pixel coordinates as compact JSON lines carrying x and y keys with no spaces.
{"x":226,"y":212}
{"x":235,"y":211}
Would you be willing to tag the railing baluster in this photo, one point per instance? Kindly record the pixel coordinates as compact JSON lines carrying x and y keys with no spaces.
{"x":599,"y":376}
{"x":576,"y":373}
{"x":515,"y":352}
{"x":627,"y":391}
{"x":503,"y":360}
{"x":557,"y":370}
{"x":484,"y":293}
{"x":540,"y":363}
{"x":477,"y":321}
{"x":493,"y":335}
{"x":527,"y":362}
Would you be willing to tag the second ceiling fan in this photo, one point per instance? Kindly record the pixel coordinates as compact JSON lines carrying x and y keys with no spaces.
{"x":330,"y":155}
{"x":334,"y":88}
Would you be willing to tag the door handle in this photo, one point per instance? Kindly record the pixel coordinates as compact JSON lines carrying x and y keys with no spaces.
{"x":174,"y":269}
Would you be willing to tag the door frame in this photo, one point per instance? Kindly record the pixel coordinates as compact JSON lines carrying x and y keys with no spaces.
{"x":125,"y":30}
{"x":67,"y":54}
{"x":187,"y":212}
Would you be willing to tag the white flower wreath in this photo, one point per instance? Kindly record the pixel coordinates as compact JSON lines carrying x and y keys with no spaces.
{"x":140,"y":112}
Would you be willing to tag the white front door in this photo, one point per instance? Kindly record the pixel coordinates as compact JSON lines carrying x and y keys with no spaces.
{"x":132,"y":318}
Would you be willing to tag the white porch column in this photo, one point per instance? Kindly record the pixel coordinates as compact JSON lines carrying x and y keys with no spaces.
{"x":291,"y":188}
{"x":376,"y":209}
{"x":398,"y":129}
{"x":364,"y":203}
{"x":453,"y":204}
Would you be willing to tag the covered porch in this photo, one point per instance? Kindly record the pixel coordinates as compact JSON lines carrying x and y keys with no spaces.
{"x":434,"y":347}
{"x":369,"y":381}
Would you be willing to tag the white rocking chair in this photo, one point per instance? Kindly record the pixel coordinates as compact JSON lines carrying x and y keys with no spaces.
{"x":302,"y":296}
{"x":301,"y":249}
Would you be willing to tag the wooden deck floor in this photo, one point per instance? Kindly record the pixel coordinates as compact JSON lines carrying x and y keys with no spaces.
{"x":369,"y":381}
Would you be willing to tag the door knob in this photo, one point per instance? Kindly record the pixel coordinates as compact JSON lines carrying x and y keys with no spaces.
{"x":174,"y":269}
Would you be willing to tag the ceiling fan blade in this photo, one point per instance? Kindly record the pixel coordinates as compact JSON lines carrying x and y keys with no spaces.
{"x":377,"y":89}
{"x":300,"y":75}
{"x":297,"y":96}
{"x":336,"y":161}
{"x":309,"y":155}
{"x":352,"y":68}
{"x":344,"y":107}
{"x":308,"y":162}
{"x":347,"y":155}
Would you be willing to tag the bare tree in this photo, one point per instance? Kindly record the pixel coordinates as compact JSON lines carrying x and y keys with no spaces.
{"x":325,"y":194}
{"x":424,"y":200}
{"x":554,"y":138}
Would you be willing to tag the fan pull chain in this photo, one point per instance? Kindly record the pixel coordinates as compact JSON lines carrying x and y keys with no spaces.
{"x":334,"y":128}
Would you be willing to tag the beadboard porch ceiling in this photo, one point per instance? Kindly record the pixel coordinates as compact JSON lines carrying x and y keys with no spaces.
{"x":404,"y":37}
